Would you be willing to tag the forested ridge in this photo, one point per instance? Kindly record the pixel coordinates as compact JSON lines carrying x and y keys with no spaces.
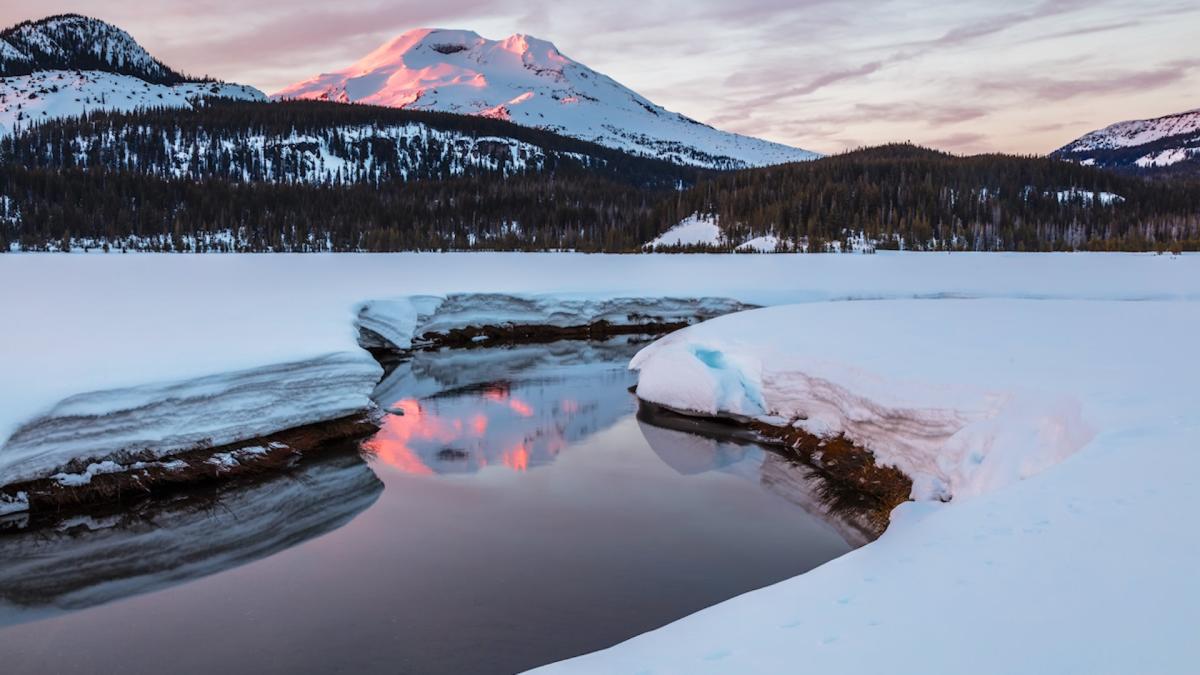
{"x":932,"y":200}
{"x":1126,"y":159}
{"x":121,"y":210}
{"x":319,"y":142}
{"x":896,"y":196}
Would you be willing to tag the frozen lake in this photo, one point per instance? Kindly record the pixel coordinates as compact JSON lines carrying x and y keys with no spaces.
{"x":512,"y":511}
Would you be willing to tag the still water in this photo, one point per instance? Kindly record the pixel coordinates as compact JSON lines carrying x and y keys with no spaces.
{"x":512,"y":511}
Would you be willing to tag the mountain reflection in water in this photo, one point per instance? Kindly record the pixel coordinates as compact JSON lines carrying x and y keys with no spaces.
{"x":526,"y":515}
{"x":469,"y":417}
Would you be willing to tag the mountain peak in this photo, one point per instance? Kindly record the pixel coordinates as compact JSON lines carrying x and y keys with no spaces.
{"x":528,"y":80}
{"x":77,"y":42}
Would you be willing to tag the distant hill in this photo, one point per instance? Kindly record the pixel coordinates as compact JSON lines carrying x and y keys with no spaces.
{"x":74,"y":42}
{"x":1163,"y":146}
{"x":888,"y":197}
{"x":319,"y":142}
{"x":906,"y":196}
{"x":66,"y":65}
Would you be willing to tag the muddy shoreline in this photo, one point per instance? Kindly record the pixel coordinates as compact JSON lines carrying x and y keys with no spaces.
{"x":852,"y":482}
{"x":76,"y":491}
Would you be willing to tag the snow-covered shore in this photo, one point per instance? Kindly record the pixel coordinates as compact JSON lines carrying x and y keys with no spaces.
{"x":1064,"y":434}
{"x":97,"y":329}
{"x":1086,"y":566}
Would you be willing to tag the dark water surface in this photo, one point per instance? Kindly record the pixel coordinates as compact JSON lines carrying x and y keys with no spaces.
{"x":516,"y":513}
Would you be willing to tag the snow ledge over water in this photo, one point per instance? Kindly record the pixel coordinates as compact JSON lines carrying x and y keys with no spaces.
{"x":1064,"y":433}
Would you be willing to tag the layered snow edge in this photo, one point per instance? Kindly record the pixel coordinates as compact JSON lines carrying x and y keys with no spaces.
{"x":953,"y":439}
{"x":102,"y":431}
{"x":157,"y":420}
{"x":403,"y":322}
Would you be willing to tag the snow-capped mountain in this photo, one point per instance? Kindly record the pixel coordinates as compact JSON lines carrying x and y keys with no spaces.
{"x":71,"y":41}
{"x":67,"y":65}
{"x":1169,"y":143}
{"x":529,"y":81}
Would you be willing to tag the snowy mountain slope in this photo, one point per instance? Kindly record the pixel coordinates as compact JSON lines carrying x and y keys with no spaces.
{"x":71,"y":41}
{"x":27,"y":100}
{"x":68,"y":65}
{"x":1171,"y":143}
{"x":529,"y":81}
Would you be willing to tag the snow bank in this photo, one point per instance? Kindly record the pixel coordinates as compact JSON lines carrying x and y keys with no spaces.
{"x":170,"y":417}
{"x":401,"y":320}
{"x":395,"y":320}
{"x":1066,"y":432}
{"x":939,"y":413}
{"x":93,"y":325}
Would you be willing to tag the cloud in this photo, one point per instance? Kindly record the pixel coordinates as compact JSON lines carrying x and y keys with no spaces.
{"x":1054,"y":89}
{"x":769,"y":90}
{"x":961,"y":142}
{"x":990,"y":25}
{"x":806,"y":72}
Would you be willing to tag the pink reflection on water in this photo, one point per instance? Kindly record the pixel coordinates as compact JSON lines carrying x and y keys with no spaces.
{"x":469,"y":434}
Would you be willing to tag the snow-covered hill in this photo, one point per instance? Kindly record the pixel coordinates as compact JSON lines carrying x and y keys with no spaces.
{"x":67,"y":65}
{"x":1171,"y":143}
{"x":529,"y":81}
{"x":45,"y":95}
{"x":71,"y":41}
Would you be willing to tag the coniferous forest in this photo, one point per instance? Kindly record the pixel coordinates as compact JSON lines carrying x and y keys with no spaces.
{"x":310,"y":176}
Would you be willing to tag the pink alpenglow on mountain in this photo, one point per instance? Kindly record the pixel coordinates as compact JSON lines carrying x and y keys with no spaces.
{"x":529,"y":81}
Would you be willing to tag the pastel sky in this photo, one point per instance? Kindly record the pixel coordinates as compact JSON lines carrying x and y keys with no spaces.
{"x":1015,"y":76}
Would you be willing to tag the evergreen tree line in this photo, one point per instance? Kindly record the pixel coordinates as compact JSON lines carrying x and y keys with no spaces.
{"x":49,"y":210}
{"x":317,"y":141}
{"x":933,"y":200}
{"x":893,"y":194}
